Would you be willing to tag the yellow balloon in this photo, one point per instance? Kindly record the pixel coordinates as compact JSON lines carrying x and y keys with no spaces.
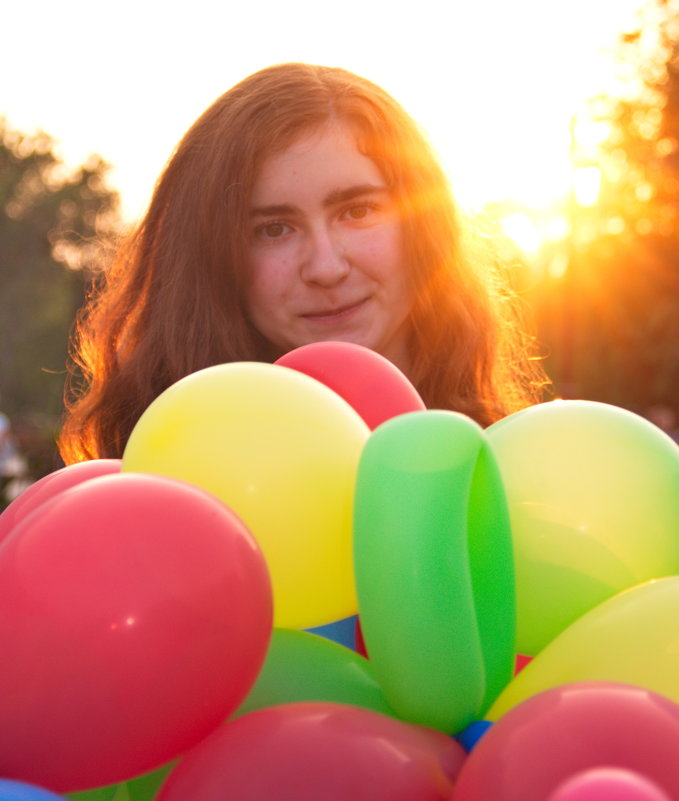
{"x":282,"y":450}
{"x":631,"y":638}
{"x":593,"y":495}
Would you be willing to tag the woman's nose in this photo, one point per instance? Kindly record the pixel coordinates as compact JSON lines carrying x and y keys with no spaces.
{"x":325,"y":261}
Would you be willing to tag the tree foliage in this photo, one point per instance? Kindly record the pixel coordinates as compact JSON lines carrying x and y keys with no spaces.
{"x":52,"y":221}
{"x":611,"y":321}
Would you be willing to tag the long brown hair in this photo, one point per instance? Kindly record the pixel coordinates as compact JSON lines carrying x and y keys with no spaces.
{"x":172,"y":299}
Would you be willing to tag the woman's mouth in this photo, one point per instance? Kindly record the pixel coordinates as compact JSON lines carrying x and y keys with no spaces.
{"x":334,"y":314}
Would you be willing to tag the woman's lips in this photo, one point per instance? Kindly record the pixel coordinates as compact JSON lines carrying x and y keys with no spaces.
{"x":333,"y":315}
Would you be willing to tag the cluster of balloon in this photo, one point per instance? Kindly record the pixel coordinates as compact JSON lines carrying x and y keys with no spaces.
{"x":136,"y":599}
{"x":136,"y":606}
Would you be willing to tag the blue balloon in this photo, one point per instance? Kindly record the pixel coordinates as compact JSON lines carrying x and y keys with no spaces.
{"x":342,"y":631}
{"x":469,"y":737}
{"x":19,"y":791}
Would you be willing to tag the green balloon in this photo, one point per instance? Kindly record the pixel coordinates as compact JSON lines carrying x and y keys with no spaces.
{"x":301,"y":666}
{"x":491,"y":561}
{"x":141,"y":788}
{"x":145,"y":787}
{"x":99,"y":794}
{"x":434,"y":568}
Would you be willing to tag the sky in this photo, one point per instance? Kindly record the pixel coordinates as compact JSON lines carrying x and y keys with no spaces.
{"x":495,"y":83}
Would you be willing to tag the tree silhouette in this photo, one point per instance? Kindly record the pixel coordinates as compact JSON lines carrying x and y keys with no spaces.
{"x":52,"y":223}
{"x":611,"y":321}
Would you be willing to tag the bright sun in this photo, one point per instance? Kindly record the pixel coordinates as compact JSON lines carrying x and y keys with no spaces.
{"x":525,"y":140}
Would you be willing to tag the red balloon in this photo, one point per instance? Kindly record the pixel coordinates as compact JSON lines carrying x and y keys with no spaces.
{"x":135,"y":614}
{"x":312,"y":751}
{"x":550,"y":737}
{"x":520,"y":662}
{"x":369,"y":383}
{"x":49,"y":486}
{"x":359,"y":640}
{"x":608,"y":784}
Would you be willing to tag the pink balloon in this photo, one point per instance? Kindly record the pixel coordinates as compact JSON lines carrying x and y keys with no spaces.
{"x":313,"y":751}
{"x":369,"y":383}
{"x":135,"y":614}
{"x":608,"y":784}
{"x":568,"y":729}
{"x":49,"y":486}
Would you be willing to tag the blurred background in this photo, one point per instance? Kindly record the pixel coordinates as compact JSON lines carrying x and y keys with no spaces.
{"x":558,"y":123}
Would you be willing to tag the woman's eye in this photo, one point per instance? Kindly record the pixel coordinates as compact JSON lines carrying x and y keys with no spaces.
{"x":358,"y":212}
{"x":272,"y":230}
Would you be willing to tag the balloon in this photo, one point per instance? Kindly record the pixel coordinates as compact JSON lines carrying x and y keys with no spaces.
{"x":469,"y":736}
{"x":317,"y":751}
{"x":359,"y":642}
{"x":135,"y":613}
{"x":141,"y":788}
{"x":594,"y":505}
{"x":112,"y":792}
{"x":521,"y":661}
{"x":305,"y":667}
{"x":434,"y":568}
{"x":49,"y":486}
{"x":375,"y":387}
{"x":541,"y":743}
{"x":145,"y":787}
{"x":340,"y":631}
{"x":281,"y":450}
{"x":19,"y":791}
{"x":608,"y":784}
{"x":630,"y":638}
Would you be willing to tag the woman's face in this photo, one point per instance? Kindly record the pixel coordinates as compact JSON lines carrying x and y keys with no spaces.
{"x":326,"y":253}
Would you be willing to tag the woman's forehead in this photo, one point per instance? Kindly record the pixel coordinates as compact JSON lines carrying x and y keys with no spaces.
{"x":319,"y":160}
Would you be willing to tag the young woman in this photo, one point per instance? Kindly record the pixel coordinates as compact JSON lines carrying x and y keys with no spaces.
{"x":303,"y":205}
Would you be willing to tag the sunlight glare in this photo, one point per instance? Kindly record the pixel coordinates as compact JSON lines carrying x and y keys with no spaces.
{"x":615,"y":226}
{"x":558,"y":266}
{"x":523,"y":231}
{"x":493,"y":83}
{"x":591,"y":133}
{"x":587,"y":185}
{"x":557,"y":228}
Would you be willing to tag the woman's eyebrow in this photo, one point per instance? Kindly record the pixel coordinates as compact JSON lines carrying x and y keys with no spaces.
{"x":351,"y":192}
{"x":276,"y":210}
{"x":331,"y":199}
